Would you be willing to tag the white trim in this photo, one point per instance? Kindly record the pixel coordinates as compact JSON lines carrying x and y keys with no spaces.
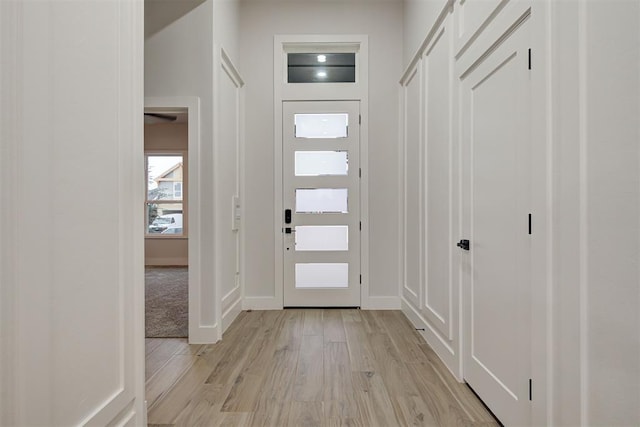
{"x":231,"y":305}
{"x":230,"y":315}
{"x":542,"y":204}
{"x":327,"y":91}
{"x":232,"y":71}
{"x":205,"y":335}
{"x":406,"y":291}
{"x":467,"y":36}
{"x":426,"y":43}
{"x":192,"y":105}
{"x":278,"y":290}
{"x":223,"y":65}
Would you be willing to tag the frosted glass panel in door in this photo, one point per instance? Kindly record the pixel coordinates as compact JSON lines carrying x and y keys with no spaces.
{"x":321,"y":163}
{"x":321,"y":200}
{"x":321,"y":125}
{"x":322,"y":238}
{"x":322,"y":275}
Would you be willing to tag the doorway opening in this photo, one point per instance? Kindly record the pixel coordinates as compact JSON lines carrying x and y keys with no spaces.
{"x":166,"y":224}
{"x":170,"y":216}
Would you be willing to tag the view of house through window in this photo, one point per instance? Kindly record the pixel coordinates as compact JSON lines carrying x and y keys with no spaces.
{"x":164,"y":205}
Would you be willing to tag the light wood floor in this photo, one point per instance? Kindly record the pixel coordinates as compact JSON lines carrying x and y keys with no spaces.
{"x":308,"y":367}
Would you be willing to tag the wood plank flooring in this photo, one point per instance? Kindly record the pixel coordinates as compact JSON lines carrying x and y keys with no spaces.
{"x":307,"y":367}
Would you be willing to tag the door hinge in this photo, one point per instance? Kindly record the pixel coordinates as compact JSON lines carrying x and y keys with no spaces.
{"x":359,"y":172}
{"x":529,"y":58}
{"x":530,"y":389}
{"x":361,"y":279}
{"x":529,"y":223}
{"x":359,"y":119}
{"x":360,"y":225}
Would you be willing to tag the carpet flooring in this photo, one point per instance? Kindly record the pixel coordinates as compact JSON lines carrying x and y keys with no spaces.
{"x":166,"y":302}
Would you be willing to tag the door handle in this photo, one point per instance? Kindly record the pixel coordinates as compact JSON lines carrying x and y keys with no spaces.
{"x":463,"y":244}
{"x":287,"y":216}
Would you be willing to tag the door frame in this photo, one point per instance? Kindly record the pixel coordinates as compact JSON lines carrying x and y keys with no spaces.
{"x":190,"y":104}
{"x":284,"y":91}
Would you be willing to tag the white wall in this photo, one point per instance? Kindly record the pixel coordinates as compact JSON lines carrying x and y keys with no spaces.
{"x":228,"y":126}
{"x":586,"y":298}
{"x":596,"y":186}
{"x":228,"y":130}
{"x":419,"y":16}
{"x":72,"y":291}
{"x":430,"y":289}
{"x":182,"y":59}
{"x":174,"y":250}
{"x":382,"y":22}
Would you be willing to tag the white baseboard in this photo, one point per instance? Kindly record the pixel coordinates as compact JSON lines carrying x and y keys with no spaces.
{"x":230,"y":314}
{"x":443,"y":349}
{"x":230,"y":299}
{"x":203,"y":334}
{"x":165,"y":262}
{"x":270,"y":303}
{"x":383,"y":303}
{"x":261,"y":303}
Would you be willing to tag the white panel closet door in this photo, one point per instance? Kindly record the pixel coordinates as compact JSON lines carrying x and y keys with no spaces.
{"x":497,"y":187}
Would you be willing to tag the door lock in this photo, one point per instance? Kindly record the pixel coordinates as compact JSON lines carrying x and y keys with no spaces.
{"x":289,"y":230}
{"x":463,"y":244}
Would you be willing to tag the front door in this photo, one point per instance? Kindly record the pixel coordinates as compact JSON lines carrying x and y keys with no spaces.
{"x":321,"y":196}
{"x":497,"y":198}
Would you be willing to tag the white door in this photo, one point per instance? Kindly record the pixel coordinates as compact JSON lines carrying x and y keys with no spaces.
{"x":321,"y":196}
{"x":496,"y":266}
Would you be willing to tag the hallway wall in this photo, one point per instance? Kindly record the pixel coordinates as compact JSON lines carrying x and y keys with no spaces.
{"x":419,"y":18}
{"x":183,"y":59}
{"x":71,"y":245}
{"x":585,"y":296}
{"x":596,"y":213}
{"x":381,"y":20}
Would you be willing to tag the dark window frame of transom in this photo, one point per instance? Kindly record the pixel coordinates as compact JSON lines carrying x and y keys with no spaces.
{"x":321,"y":67}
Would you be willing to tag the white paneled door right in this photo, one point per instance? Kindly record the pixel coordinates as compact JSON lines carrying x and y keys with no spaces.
{"x":496,"y":206}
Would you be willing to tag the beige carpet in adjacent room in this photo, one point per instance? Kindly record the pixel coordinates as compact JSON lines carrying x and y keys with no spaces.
{"x":166,"y":302}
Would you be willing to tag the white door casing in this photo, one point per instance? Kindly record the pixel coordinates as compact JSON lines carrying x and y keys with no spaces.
{"x":496,"y":144}
{"x":321,"y":250}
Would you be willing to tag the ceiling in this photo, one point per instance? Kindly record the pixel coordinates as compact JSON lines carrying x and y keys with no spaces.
{"x":160,"y":13}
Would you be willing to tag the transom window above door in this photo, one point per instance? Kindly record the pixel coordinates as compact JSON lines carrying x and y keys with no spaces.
{"x":321,"y":67}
